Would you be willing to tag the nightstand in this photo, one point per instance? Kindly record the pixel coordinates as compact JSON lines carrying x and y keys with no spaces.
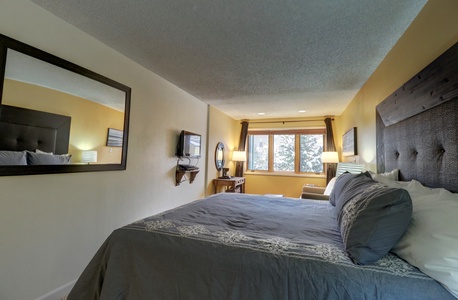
{"x":234,"y":184}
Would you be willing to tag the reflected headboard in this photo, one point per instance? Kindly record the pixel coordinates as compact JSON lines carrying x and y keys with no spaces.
{"x":26,"y":129}
{"x":417,"y":126}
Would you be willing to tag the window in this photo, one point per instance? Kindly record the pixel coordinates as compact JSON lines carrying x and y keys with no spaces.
{"x":294,"y":151}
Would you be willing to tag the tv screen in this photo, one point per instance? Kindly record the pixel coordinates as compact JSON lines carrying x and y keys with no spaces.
{"x":189,"y":145}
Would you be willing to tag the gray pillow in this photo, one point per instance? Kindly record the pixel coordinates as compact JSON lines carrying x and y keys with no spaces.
{"x":13,"y":158}
{"x":47,"y":159}
{"x":371,"y":218}
{"x":339,"y":185}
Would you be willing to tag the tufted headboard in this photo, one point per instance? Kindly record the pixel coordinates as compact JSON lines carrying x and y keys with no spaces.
{"x":417,"y":126}
{"x":26,"y":129}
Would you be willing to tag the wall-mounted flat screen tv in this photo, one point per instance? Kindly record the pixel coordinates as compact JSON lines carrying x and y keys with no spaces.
{"x":189,"y":145}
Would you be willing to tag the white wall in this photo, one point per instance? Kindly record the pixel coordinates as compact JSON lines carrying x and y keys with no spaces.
{"x":51,"y":225}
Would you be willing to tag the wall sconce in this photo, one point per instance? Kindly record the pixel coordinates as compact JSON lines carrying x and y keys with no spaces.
{"x":239,"y":156}
{"x":89,"y":156}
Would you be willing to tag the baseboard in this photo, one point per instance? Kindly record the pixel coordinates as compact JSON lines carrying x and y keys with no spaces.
{"x":59,"y":293}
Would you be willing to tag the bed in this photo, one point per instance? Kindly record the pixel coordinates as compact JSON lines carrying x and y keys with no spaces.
{"x":238,"y":246}
{"x":31,"y":137}
{"x":382,"y":235}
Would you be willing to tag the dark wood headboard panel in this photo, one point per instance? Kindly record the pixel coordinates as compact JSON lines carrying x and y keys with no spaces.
{"x":26,"y":129}
{"x":432,"y":86}
{"x":417,"y":126}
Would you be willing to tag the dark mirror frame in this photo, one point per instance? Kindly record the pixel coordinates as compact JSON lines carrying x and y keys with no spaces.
{"x":219,"y":163}
{"x":9,"y":43}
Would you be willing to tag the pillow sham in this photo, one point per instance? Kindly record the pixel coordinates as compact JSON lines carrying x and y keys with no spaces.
{"x":371,"y":217}
{"x":391,"y":183}
{"x":13,"y":158}
{"x":393,"y":175}
{"x":43,"y":152}
{"x":431,"y":241}
{"x":339,"y":186}
{"x":47,"y":159}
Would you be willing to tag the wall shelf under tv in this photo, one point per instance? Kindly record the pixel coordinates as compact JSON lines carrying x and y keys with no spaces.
{"x":181,"y":171}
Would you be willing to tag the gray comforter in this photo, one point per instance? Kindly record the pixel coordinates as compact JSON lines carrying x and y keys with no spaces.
{"x":237,"y":246}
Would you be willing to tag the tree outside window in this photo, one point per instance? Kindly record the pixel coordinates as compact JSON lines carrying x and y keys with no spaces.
{"x":284,"y":152}
{"x":311,"y":146}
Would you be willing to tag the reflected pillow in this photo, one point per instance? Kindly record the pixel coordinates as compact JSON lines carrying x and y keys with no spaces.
{"x":43,"y":152}
{"x":13,"y":158}
{"x":47,"y":159}
{"x":371,"y":217}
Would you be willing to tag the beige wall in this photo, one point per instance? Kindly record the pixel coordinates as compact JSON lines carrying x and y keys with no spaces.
{"x":221,"y":128}
{"x":51,"y":225}
{"x":288,"y":186}
{"x":90,"y":120}
{"x":430,"y":34}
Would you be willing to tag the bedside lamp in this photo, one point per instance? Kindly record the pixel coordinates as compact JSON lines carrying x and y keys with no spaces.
{"x":329,"y":158}
{"x":239,"y":157}
{"x":89,"y":156}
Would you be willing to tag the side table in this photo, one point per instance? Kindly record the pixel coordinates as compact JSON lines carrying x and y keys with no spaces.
{"x":233,"y":184}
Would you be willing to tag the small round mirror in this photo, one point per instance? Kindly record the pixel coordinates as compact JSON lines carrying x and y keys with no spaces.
{"x":219,"y":156}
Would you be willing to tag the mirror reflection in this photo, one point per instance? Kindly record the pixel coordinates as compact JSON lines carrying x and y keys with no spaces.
{"x":58,"y":117}
{"x":219,"y":156}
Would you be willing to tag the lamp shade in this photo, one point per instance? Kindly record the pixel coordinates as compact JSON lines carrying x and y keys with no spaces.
{"x":89,"y":156}
{"x":239,"y":156}
{"x":330,"y":157}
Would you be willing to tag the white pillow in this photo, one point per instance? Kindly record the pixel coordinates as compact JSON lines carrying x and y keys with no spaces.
{"x":390,"y":182}
{"x":329,"y":187}
{"x":431,"y":241}
{"x":393,"y":175}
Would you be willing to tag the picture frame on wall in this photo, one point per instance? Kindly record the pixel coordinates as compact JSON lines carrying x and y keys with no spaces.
{"x":114,"y":137}
{"x":349,"y":143}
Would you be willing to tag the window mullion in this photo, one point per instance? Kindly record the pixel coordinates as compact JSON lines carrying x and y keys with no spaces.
{"x":297,"y":153}
{"x":271,"y":152}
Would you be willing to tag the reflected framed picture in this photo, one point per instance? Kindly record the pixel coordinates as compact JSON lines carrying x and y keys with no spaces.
{"x":114,"y":138}
{"x":349,"y":143}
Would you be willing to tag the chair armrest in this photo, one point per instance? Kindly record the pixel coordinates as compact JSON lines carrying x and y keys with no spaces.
{"x":313,"y":189}
{"x":314,"y":196}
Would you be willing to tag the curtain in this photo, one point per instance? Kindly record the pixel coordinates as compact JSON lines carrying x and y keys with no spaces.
{"x":242,"y":144}
{"x":330,"y":146}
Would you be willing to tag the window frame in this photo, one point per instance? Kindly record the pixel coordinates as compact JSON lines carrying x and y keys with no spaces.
{"x":297,"y":133}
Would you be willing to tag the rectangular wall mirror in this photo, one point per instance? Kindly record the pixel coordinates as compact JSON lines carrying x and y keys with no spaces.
{"x":53,"y":113}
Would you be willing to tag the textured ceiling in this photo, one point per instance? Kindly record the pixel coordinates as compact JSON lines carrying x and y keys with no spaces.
{"x":246,"y":57}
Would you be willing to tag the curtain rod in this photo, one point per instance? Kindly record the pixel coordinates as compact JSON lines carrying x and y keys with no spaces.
{"x":291,"y":121}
